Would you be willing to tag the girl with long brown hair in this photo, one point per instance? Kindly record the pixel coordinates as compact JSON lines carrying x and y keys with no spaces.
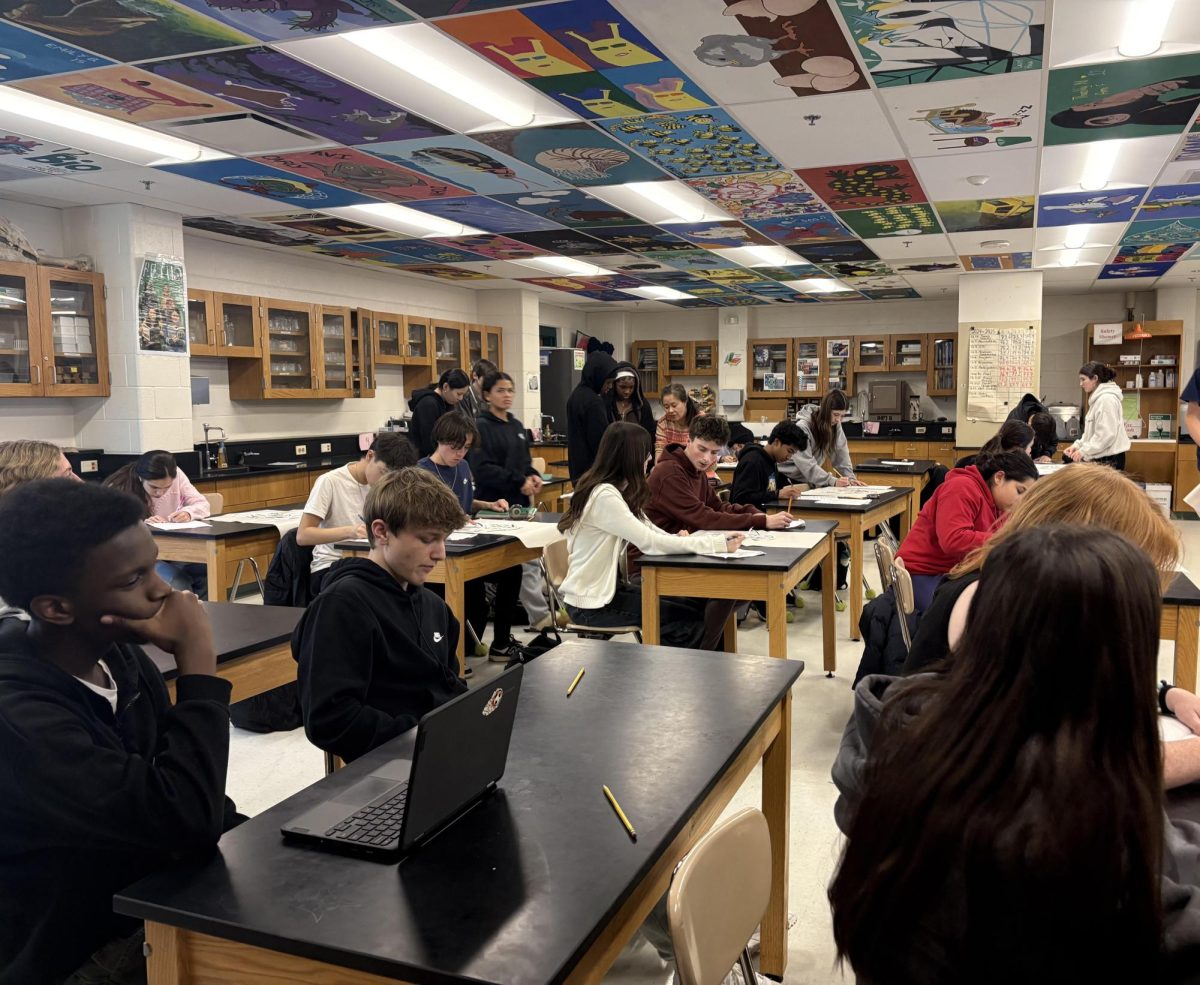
{"x":822,"y":427}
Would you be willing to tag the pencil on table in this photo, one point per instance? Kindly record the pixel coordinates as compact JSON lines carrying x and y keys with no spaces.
{"x":620,"y":813}
{"x":575,"y":683}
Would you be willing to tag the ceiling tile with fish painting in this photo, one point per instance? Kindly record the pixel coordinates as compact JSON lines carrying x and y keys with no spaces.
{"x":468,"y":163}
{"x":573,"y":152}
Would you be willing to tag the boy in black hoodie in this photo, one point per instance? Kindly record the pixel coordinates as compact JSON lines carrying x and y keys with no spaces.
{"x":103,"y":781}
{"x":376,"y":649}
{"x":757,"y":479}
{"x":587,"y":416}
{"x":430,"y":403}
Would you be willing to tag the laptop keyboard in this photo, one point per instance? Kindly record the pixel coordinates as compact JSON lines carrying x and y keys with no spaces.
{"x":378,"y":824}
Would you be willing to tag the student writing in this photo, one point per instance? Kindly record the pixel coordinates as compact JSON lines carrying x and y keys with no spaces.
{"x":824,"y":439}
{"x":757,"y":480}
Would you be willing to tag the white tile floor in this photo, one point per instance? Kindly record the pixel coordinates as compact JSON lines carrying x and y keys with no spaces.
{"x":265,"y":769}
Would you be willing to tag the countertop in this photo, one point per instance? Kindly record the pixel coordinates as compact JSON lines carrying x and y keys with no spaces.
{"x":307,"y":465}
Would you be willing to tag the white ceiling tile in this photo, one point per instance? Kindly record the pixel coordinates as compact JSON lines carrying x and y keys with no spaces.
{"x":1107,"y":234}
{"x":1088,"y":31}
{"x":894,"y":248}
{"x":850,"y":129}
{"x":1020,"y":240}
{"x":1138,"y":164}
{"x":1180,"y":173}
{"x":1009,"y":172}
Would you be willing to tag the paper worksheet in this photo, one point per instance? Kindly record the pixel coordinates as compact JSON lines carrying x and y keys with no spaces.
{"x":1045,"y":468}
{"x":185,"y":525}
{"x":1193,"y":499}
{"x":531,"y":535}
{"x":896,"y":461}
{"x":732,"y":555}
{"x":282,"y":520}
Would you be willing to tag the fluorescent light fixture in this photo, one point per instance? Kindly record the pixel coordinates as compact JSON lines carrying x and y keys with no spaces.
{"x":566,"y":265}
{"x":762,"y":256}
{"x":817,"y":285}
{"x":1077,"y":236}
{"x":1102,"y":158}
{"x":668,"y":195}
{"x":1069,"y":258}
{"x":98,"y":134}
{"x":407,"y":49}
{"x":660,"y":202}
{"x":1144,"y":26}
{"x":405,"y":220}
{"x":658,"y":293}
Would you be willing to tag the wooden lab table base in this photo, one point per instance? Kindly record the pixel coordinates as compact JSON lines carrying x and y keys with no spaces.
{"x":1181,"y":623}
{"x":219,"y":555}
{"x":177,"y":956}
{"x":254,"y":673}
{"x":731,"y":581}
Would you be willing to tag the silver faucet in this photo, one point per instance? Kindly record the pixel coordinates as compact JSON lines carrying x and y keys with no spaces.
{"x":208,"y":455}
{"x":547,"y":433}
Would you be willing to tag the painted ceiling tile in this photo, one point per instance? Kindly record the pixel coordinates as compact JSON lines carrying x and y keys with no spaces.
{"x":345,"y":167}
{"x":1151,"y":252}
{"x":672,"y":279}
{"x":719,"y":235}
{"x":824,"y":130}
{"x":353,"y":251}
{"x":926,"y":265}
{"x":1081,"y":207}
{"x":694,"y":261}
{"x":893,"y":220}
{"x":1171,"y":202}
{"x":691,"y":145}
{"x":440,"y":8}
{"x":759,"y":195}
{"x":863,"y":186}
{"x":574,"y":152}
{"x":849,"y":250}
{"x":280,"y":20}
{"x":1189,"y":150}
{"x":27,"y":55}
{"x":1007,"y":172}
{"x":569,"y":207}
{"x":258,"y":179}
{"x":515,"y":43}
{"x":801,"y":271}
{"x":639,"y":265}
{"x":567,"y":242}
{"x":589,"y":94}
{"x":967,"y":115}
{"x":905,"y":42}
{"x":996,"y":261}
{"x":241,"y":228}
{"x":446,"y":273}
{"x":1124,"y":271}
{"x":659,"y":87}
{"x":267,"y":82}
{"x":739,"y":277}
{"x":1130,"y":98}
{"x":1154,"y":231}
{"x":604,"y":295}
{"x":890,"y":294}
{"x":484,"y":213}
{"x":595,"y":33}
{"x":126,"y":93}
{"x":987,"y":214}
{"x":837,"y":296}
{"x":820,"y":227}
{"x":320,"y":224}
{"x":124,"y":30}
{"x":426,"y":251}
{"x":856,"y":270}
{"x":914,"y":248}
{"x":466,"y":162}
{"x":641,"y":238}
{"x":617,"y":282}
{"x":492,"y":247}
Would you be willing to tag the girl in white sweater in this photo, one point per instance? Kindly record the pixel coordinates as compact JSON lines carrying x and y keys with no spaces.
{"x":1104,"y":439}
{"x":604,"y":518}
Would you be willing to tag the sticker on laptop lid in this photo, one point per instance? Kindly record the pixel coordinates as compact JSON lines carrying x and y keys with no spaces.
{"x":493,"y":702}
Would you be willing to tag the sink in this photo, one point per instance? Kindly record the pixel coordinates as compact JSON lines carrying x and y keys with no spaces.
{"x":232,"y":470}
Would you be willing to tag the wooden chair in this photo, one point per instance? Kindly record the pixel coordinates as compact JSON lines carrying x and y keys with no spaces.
{"x":216,"y":503}
{"x":554,"y":565}
{"x":905,"y":600}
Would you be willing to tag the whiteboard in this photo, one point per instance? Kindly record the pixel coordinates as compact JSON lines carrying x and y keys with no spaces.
{"x":1001,"y":368}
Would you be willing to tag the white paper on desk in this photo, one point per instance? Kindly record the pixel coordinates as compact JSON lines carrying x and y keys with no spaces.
{"x":783,"y":538}
{"x":896,"y":461}
{"x":463,"y":535}
{"x":185,"y":525}
{"x":1049,"y":468}
{"x":1193,"y":499}
{"x":281,"y":520}
{"x":732,"y":556}
{"x":837,"y":501}
{"x":795,"y":525}
{"x":531,"y":534}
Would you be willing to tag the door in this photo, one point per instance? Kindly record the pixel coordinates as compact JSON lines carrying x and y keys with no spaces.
{"x":290,"y":355}
{"x":493,"y":338}
{"x":770,"y":369}
{"x":646,"y":362}
{"x":871,"y":354}
{"x":334,"y":368}
{"x":202,"y":337}
{"x":943,"y":365}
{"x":837,"y":364}
{"x":362,"y":353}
{"x":809,"y":382}
{"x":704,"y":358}
{"x":74,"y":340}
{"x":238,"y":329}
{"x":389,"y":338}
{"x":475,"y":346}
{"x":22,"y":372}
{"x":678,"y":358}
{"x":908,"y":353}
{"x":448,"y":348}
{"x":418,"y":345}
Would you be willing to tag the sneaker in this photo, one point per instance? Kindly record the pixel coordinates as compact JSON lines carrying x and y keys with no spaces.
{"x":505,"y":651}
{"x":468,"y":672}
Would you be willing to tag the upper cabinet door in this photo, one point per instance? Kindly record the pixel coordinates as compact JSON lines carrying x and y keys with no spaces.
{"x":74,"y":339}
{"x":770,"y":369}
{"x":362,"y":353}
{"x":389,"y":337}
{"x":289,"y":358}
{"x":704,"y":358}
{"x":447,"y":346}
{"x":238,"y":329}
{"x":678,"y":358}
{"x":202,"y":332}
{"x":22,"y":373}
{"x":871,"y":354}
{"x":418,"y":345}
{"x":646,"y":358}
{"x":333,"y":332}
{"x":493,"y":345}
{"x":475,"y":345}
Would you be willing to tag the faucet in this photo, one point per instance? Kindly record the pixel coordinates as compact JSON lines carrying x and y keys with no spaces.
{"x":208,"y":455}
{"x":547,"y":434}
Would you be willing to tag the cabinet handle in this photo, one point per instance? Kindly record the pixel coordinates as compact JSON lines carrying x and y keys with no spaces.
{"x":39,"y":373}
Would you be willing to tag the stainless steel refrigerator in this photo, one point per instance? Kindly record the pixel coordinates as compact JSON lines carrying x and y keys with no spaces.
{"x":560,"y":371}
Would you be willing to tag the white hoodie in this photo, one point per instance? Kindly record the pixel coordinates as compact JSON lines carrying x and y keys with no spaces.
{"x":1104,"y":426}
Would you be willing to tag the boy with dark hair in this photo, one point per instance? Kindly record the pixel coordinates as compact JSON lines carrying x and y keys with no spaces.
{"x":103,"y":780}
{"x":335,"y":506}
{"x":757,"y":479}
{"x":376,"y":649}
{"x":472,"y":404}
{"x":684,"y":499}
{"x":453,"y":436}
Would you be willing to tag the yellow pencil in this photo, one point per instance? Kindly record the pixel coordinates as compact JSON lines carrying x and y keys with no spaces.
{"x":620,"y":813}
{"x":575,"y":683}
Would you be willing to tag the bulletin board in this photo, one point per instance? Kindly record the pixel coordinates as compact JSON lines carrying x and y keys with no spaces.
{"x":1002,"y":366}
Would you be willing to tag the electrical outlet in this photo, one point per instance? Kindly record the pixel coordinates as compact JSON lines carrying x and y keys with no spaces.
{"x":89,"y":465}
{"x":301,"y":449}
{"x":326,"y":447}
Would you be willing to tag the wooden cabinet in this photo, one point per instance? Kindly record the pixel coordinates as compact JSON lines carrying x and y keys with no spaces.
{"x":870,"y":354}
{"x":907,"y":353}
{"x":74,"y":339}
{"x":493,"y":345}
{"x":238,"y":328}
{"x":390,"y":339}
{"x":943,"y":453}
{"x":1187,"y":476}
{"x":909,"y":448}
{"x":362,"y":354}
{"x":1145,"y":357}
{"x":202,"y":323}
{"x":677,"y":359}
{"x":483,"y":342}
{"x":448,"y":346}
{"x":770,"y":370}
{"x":809,"y":378}
{"x":22,"y":372}
{"x":705,"y":358}
{"x":647,"y":360}
{"x":942,"y":365}
{"x":335,"y":360}
{"x":838,"y":365}
{"x":289,"y":350}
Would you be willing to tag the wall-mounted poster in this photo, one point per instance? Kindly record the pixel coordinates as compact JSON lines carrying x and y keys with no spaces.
{"x":162,"y":306}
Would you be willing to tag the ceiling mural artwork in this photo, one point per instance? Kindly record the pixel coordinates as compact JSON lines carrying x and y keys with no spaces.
{"x":741,"y":152}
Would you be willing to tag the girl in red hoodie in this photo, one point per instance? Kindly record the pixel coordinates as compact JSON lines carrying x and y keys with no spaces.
{"x":964,"y":511}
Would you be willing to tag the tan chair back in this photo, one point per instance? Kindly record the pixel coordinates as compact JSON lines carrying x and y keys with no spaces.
{"x":216,"y":503}
{"x":555,"y":557}
{"x":885,"y":557}
{"x":905,"y":600}
{"x":718,"y":895}
{"x":539,"y":463}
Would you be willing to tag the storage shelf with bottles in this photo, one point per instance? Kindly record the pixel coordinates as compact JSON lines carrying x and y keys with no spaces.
{"x":1151,"y":371}
{"x":942,"y":379}
{"x":770,"y":368}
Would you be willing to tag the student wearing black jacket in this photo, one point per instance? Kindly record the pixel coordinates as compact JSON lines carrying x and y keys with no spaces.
{"x":587,"y":416}
{"x":626,"y":402}
{"x":103,"y":780}
{"x":501,"y":463}
{"x":376,"y":649}
{"x":757,"y":479}
{"x":429,"y":404}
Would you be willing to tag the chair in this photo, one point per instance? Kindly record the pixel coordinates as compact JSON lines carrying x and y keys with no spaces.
{"x":718,"y":895}
{"x":905,"y":600}
{"x":216,"y":504}
{"x":539,"y":463}
{"x":554,"y":566}
{"x":885,"y":557}
{"x":333,"y":763}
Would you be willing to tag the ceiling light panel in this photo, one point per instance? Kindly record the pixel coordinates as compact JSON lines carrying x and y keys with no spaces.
{"x":660,"y":202}
{"x":404,"y":220}
{"x":762,"y":256}
{"x":1137,"y":163}
{"x":1091,"y":31}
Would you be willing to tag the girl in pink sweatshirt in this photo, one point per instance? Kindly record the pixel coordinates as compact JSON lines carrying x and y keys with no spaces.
{"x":160,"y":484}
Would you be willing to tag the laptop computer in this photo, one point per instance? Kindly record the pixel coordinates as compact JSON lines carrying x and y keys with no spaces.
{"x":459,"y":757}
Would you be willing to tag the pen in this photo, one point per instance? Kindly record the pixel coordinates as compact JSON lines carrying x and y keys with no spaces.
{"x":575,"y":683}
{"x":620,"y":813}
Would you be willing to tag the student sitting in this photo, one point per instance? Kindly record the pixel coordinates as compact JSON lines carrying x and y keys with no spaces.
{"x":160,"y":485}
{"x":1005,"y":821}
{"x":1012,"y":436}
{"x":377,"y":650}
{"x":679,"y":410}
{"x":335,"y":506}
{"x":1104,"y":439}
{"x":606,"y":515}
{"x":431,"y":403}
{"x":740,"y":437}
{"x":757,"y":480}
{"x":626,"y":402}
{"x":500,"y":462}
{"x":586,"y":414}
{"x":1045,"y":438}
{"x":963,"y":513}
{"x":454,"y":435}
{"x":1024,"y":410}
{"x":824,"y":439}
{"x":104,"y":780}
{"x":682,"y":498}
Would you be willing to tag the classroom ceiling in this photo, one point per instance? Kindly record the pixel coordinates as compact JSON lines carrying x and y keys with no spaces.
{"x":690,"y":152}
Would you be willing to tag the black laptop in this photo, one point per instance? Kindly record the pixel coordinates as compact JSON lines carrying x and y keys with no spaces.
{"x":460,"y":754}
